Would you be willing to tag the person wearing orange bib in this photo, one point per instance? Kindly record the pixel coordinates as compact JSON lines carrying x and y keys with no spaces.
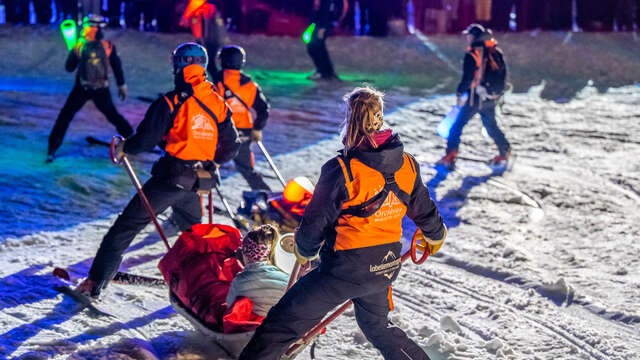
{"x":249,"y":106}
{"x":354,"y":224}
{"x":193,"y":125}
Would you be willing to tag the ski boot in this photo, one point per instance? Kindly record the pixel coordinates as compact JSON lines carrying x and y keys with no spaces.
{"x":449,"y":160}
{"x":500,"y":161}
{"x":88,"y":288}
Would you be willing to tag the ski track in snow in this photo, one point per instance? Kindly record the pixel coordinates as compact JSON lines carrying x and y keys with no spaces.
{"x":541,"y":261}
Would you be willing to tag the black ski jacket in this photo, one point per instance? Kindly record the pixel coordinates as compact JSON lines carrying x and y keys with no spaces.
{"x":322,"y":213}
{"x":157,"y":123}
{"x":73,"y":60}
{"x":493,"y":81}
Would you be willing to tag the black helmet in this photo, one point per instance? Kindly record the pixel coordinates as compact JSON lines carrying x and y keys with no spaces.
{"x":476,"y":30}
{"x":232,"y":57}
{"x":188,"y":54}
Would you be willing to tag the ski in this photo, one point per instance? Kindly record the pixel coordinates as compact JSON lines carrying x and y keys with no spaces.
{"x":82,"y":300}
{"x":122,"y":278}
{"x":95,"y":141}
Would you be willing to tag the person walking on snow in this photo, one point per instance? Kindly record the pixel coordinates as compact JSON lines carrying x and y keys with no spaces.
{"x":354,"y":223}
{"x":92,"y":56}
{"x":249,"y":106}
{"x":325,"y":14}
{"x":193,"y":125}
{"x":207,"y":27}
{"x":483,"y":83}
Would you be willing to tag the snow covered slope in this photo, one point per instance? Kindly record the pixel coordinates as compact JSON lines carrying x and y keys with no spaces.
{"x":541,"y":262}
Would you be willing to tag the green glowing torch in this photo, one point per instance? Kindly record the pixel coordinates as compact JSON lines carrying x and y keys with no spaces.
{"x":69,"y":33}
{"x":306,"y":37}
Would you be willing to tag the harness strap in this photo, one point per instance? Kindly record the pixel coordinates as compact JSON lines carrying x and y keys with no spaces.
{"x":371,"y":206}
{"x":206,"y":109}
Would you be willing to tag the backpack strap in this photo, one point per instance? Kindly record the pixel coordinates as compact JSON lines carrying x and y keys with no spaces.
{"x":206,"y":109}
{"x":371,"y":206}
{"x":228,"y":94}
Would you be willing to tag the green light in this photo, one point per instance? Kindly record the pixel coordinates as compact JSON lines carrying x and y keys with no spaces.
{"x":68,"y":28}
{"x":306,"y":37}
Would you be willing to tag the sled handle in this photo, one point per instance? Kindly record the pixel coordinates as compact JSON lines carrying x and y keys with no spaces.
{"x":117,"y":139}
{"x":417,"y":236}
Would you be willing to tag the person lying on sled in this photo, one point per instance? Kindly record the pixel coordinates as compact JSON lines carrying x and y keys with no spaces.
{"x":260,"y":281}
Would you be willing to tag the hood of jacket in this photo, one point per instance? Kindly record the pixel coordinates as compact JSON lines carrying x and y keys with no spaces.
{"x":386,"y":158}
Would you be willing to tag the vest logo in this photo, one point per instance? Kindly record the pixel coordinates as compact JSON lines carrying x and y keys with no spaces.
{"x":201,"y":127}
{"x":388,"y":266}
{"x":391,"y":208}
{"x":200,"y":122}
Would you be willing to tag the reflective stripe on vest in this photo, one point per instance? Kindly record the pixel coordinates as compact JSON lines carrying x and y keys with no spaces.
{"x":383,"y":225}
{"x":240,"y":98}
{"x":194,"y":135}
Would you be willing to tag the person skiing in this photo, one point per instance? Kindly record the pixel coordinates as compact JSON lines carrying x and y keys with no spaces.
{"x":207,"y":27}
{"x":325,"y":14}
{"x":354,"y":223}
{"x":483,"y":83}
{"x":249,"y":106}
{"x":193,"y":125}
{"x":92,"y":56}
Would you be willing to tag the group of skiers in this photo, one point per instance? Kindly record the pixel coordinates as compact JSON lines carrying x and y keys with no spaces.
{"x":353,"y":221}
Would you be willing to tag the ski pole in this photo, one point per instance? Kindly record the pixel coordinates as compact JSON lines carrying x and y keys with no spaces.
{"x":136,"y":183}
{"x":271,"y":163}
{"x":227,"y":207}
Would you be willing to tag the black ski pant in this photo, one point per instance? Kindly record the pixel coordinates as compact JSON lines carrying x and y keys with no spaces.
{"x":311,"y":298}
{"x":317,"y":50}
{"x":78,"y":97}
{"x":488,"y":114}
{"x":245,"y":164}
{"x":186,"y":209}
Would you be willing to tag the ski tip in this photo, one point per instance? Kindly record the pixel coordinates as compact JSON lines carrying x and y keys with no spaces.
{"x":61,"y":273}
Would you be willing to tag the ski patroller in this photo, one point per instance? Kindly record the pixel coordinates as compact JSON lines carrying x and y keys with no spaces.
{"x":418,"y":243}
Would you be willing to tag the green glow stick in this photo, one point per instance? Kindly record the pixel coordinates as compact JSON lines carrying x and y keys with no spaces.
{"x":306,"y":37}
{"x":68,"y":29}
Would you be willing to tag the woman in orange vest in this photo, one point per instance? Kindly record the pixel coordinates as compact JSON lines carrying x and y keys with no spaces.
{"x":354,"y":224}
{"x":193,"y":125}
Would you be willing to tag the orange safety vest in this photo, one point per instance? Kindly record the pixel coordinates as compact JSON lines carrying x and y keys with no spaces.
{"x":373,"y":214}
{"x":194,"y":135}
{"x":239,"y":97}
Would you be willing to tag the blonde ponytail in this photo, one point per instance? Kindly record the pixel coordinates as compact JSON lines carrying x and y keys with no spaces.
{"x":364,"y":117}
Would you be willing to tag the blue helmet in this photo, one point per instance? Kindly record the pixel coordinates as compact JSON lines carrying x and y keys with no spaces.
{"x":188,"y":54}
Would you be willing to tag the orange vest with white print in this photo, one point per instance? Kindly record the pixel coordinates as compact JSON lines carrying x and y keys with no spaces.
{"x":383,"y":225}
{"x":239,"y":97}
{"x":194,"y":135}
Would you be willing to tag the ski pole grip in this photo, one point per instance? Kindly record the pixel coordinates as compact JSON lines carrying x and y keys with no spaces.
{"x":417,"y":236}
{"x":112,"y":149}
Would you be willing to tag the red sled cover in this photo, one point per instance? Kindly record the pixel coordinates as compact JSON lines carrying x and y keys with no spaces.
{"x":199,"y":269}
{"x":240,"y":318}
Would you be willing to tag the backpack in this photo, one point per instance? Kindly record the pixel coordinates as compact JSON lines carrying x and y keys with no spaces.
{"x":495,"y":72}
{"x":93,"y":69}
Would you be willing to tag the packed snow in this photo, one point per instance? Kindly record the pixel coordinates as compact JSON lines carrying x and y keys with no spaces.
{"x":541,"y":261}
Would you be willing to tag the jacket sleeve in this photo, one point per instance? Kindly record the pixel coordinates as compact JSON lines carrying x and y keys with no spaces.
{"x":468,"y":73}
{"x":116,"y":65}
{"x":423,"y":211}
{"x":261,"y":106}
{"x":323,"y":210}
{"x":155,"y":125}
{"x":72,"y":61}
{"x":228,"y":140}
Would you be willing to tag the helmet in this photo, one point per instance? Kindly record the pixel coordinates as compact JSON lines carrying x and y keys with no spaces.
{"x":232,"y":57}
{"x":94,"y":20}
{"x":297,"y":189}
{"x":188,"y":54}
{"x":475,"y":30}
